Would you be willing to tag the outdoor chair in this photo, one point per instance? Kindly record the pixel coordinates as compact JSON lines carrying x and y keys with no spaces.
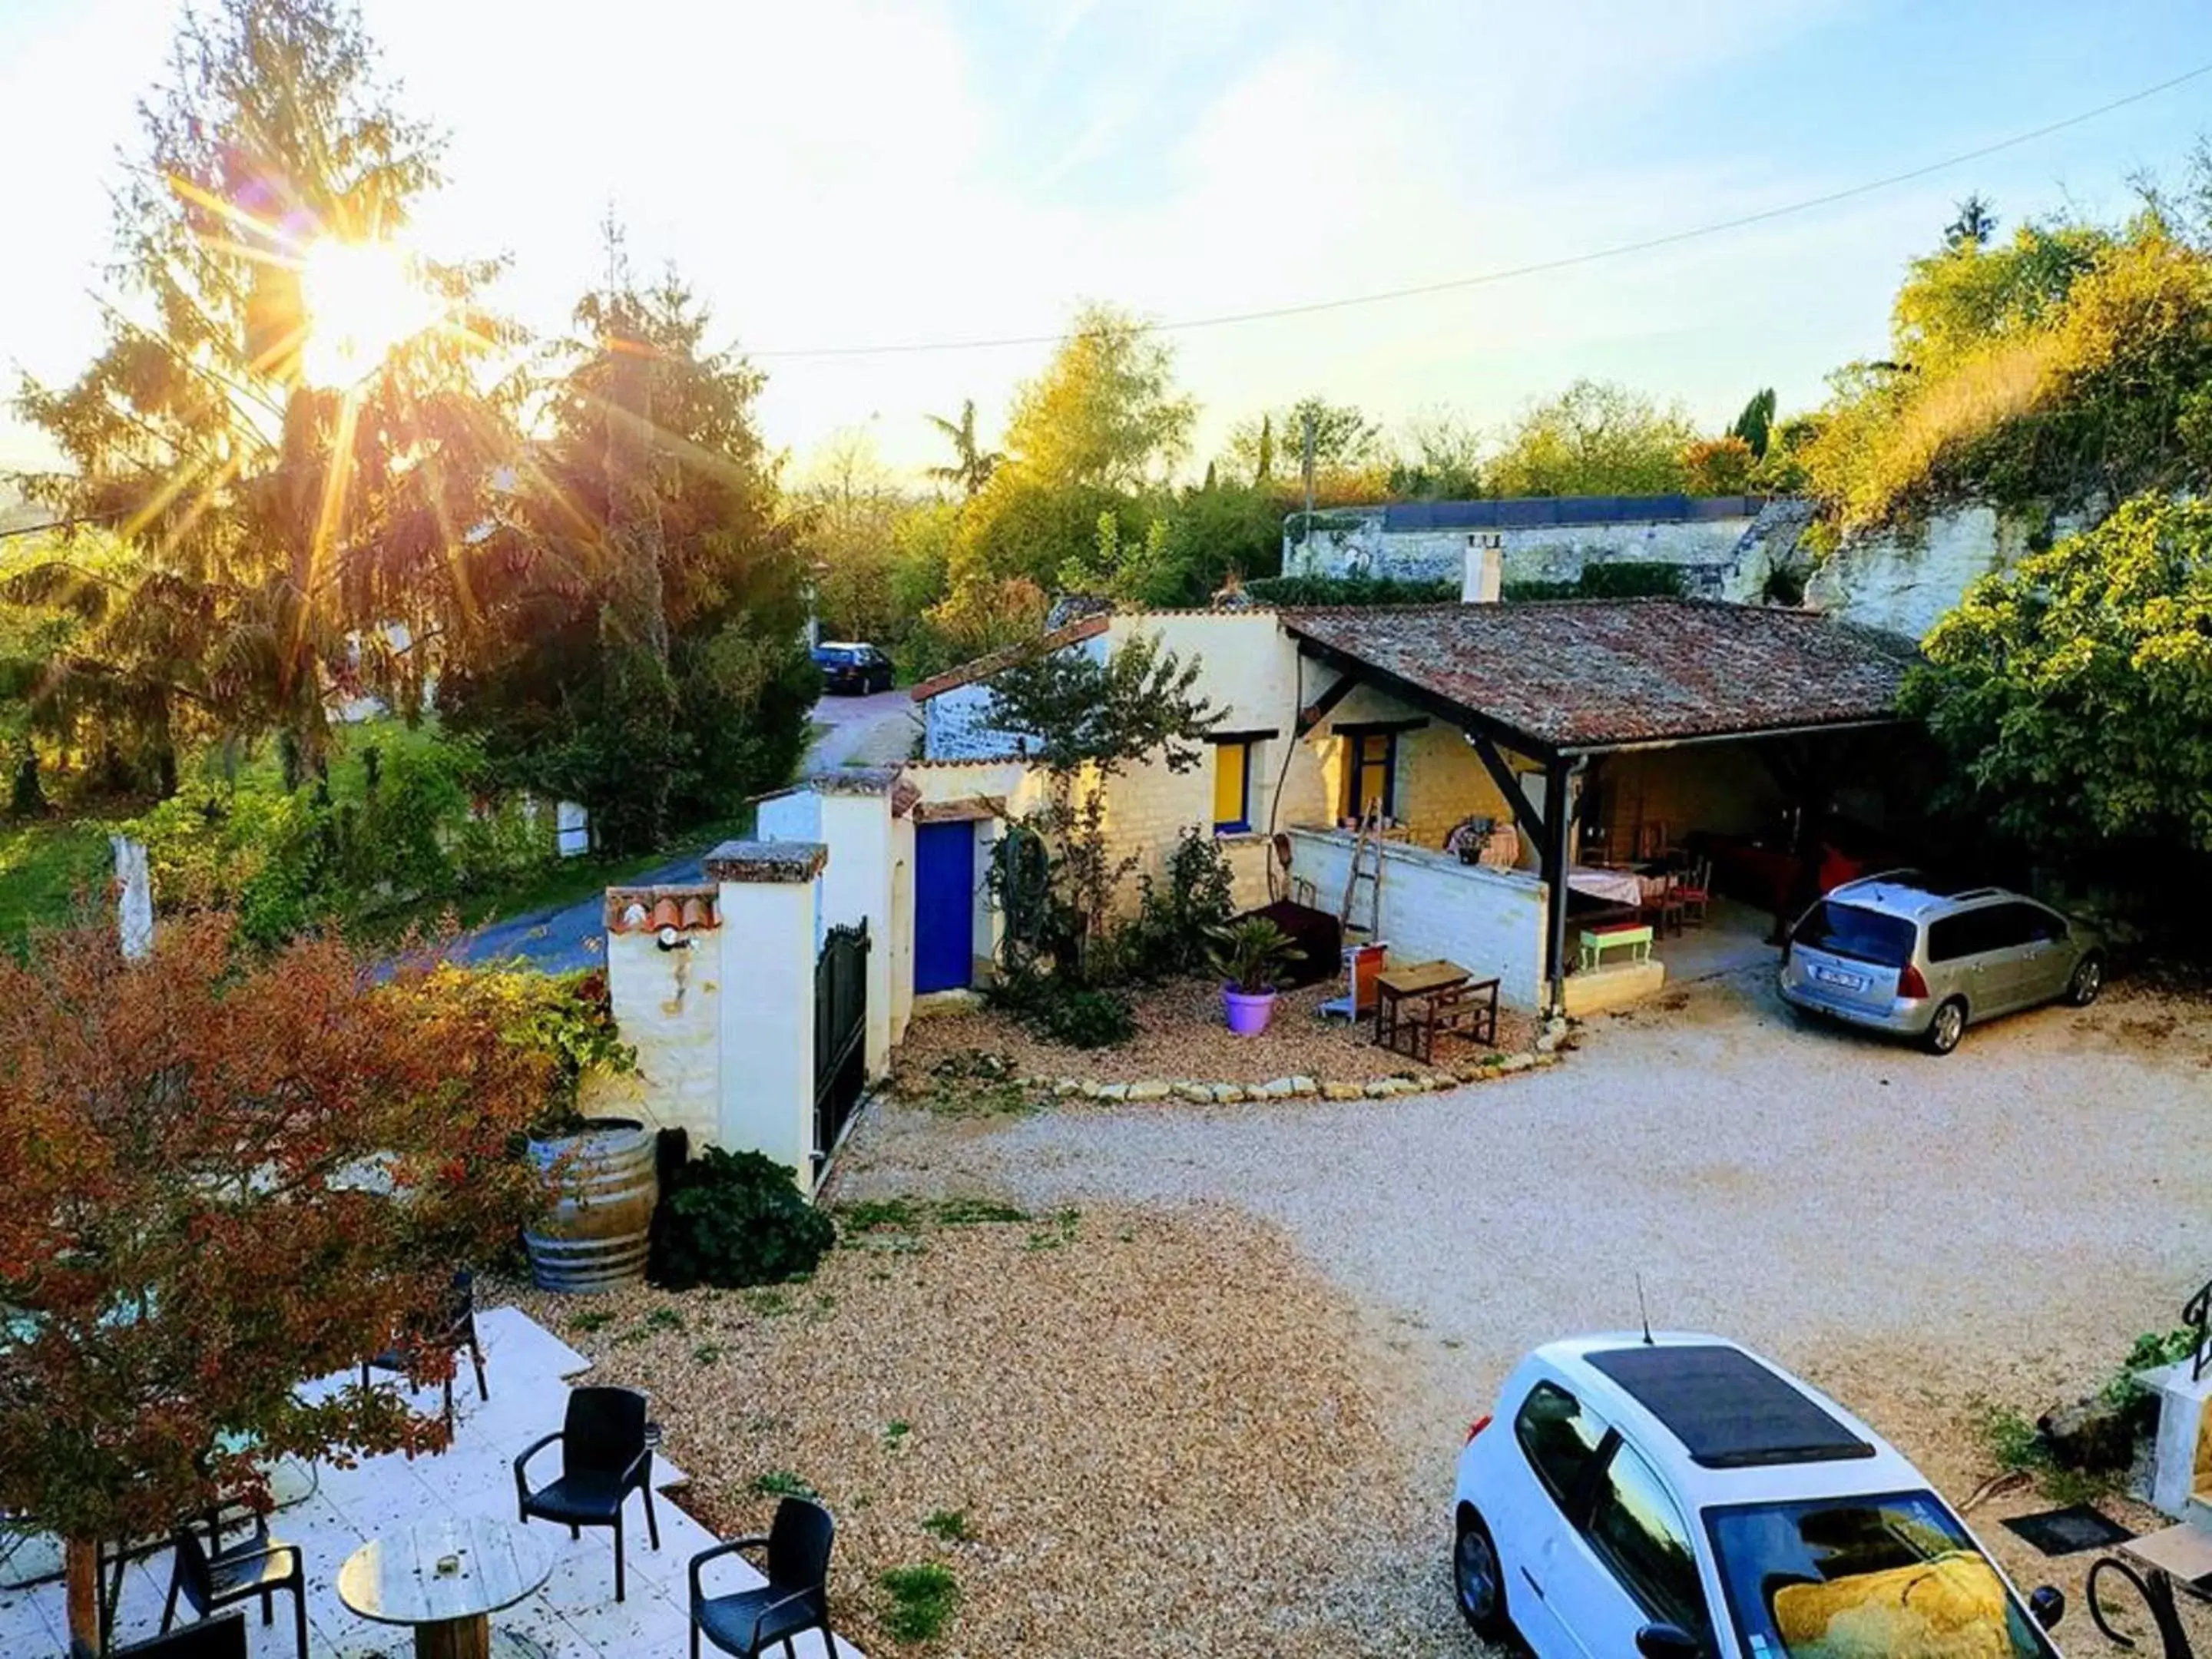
{"x":606,"y":1454}
{"x":453,"y":1330}
{"x":1662,"y":903}
{"x":1695,"y":891}
{"x":795,"y":1599}
{"x":222,"y":1637}
{"x":257,"y":1568}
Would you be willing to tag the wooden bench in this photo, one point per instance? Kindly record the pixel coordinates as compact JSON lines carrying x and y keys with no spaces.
{"x":1633,"y":937}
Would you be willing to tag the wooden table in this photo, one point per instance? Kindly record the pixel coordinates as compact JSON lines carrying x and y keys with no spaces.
{"x":2159,"y":1565}
{"x":1421,"y":978}
{"x":446,"y":1578}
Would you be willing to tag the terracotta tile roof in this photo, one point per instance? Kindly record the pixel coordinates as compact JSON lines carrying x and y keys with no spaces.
{"x":1593,"y":673}
{"x":649,"y":909}
{"x":984,"y":666}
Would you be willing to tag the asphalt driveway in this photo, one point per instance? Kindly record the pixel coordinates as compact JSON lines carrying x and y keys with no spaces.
{"x":856,"y":730}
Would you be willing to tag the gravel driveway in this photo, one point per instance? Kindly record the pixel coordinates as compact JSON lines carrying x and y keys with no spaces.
{"x":1908,"y":1231}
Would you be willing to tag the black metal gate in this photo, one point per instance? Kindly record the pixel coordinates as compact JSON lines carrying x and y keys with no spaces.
{"x":840,"y":1025}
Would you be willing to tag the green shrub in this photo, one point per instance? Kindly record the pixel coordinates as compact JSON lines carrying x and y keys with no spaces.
{"x":732,"y":1218}
{"x":922,"y":1598}
{"x":1620,"y":579}
{"x":1082,"y":1016}
{"x":1176,"y":917}
{"x":1292,"y":591}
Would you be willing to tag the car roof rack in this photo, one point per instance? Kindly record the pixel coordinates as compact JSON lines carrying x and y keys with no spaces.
{"x":1729,"y":1411}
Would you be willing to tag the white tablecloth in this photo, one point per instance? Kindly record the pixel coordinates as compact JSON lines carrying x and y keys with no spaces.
{"x":1616,"y":886}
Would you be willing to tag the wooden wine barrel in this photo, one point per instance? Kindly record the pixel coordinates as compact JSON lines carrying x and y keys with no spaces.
{"x":606,"y":1187}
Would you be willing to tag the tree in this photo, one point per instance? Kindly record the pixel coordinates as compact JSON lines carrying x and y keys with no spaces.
{"x":1719,"y":466}
{"x":1104,"y":413}
{"x":2074,"y":691}
{"x":1439,"y":460}
{"x":1755,"y":424}
{"x":1344,"y":439}
{"x":637,"y":640}
{"x":1973,"y":226}
{"x":1086,"y":720}
{"x":1594,"y":439}
{"x":277,"y":518}
{"x":850,"y":508}
{"x":227,"y":1175}
{"x":972,"y":464}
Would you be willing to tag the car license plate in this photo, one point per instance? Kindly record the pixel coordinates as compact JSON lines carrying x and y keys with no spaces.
{"x":1838,"y":976}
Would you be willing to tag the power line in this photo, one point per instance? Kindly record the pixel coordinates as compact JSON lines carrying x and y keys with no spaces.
{"x":1565,"y":262}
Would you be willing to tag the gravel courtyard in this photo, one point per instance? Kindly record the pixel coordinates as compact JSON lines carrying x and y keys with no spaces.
{"x":1910,"y":1232}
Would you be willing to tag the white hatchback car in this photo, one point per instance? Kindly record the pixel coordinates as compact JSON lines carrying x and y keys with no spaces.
{"x":1680,"y":1496}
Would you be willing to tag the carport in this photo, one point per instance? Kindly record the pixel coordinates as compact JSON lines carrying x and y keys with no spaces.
{"x":1739,"y":720}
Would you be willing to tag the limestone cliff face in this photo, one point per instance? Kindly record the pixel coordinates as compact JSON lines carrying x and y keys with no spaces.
{"x":1904,"y":578}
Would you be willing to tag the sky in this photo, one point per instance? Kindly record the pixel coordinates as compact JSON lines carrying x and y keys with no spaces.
{"x":844,"y":173}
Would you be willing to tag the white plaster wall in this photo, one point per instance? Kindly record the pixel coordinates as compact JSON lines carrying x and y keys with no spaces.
{"x":766,"y":1027}
{"x":667,"y":1006}
{"x":856,"y":887}
{"x":1904,"y":579}
{"x":1489,"y":922}
{"x":899,"y":942}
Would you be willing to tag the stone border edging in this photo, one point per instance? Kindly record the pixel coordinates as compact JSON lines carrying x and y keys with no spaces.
{"x":1291,"y":1087}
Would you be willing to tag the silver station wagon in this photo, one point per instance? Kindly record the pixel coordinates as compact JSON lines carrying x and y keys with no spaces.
{"x":1908,"y":954}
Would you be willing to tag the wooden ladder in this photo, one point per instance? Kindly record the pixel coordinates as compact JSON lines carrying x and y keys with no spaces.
{"x":1367,"y":867}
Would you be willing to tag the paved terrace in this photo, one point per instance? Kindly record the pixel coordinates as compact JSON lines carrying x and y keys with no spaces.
{"x":331,"y":1512}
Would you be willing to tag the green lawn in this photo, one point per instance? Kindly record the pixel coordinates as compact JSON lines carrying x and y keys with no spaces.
{"x":44,"y":865}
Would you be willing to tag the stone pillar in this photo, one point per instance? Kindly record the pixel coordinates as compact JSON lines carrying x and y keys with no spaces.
{"x":855,"y":808}
{"x":765,"y":899}
{"x":2181,"y":1464}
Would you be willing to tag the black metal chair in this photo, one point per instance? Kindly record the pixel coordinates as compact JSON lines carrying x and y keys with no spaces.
{"x":258,"y":1567}
{"x":795,"y":1599}
{"x":455,"y":1331}
{"x":606,"y":1454}
{"x":222,"y":1637}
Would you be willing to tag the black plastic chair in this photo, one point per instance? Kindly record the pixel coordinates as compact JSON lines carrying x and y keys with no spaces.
{"x":456,"y":1331}
{"x":795,"y":1599}
{"x":257,"y":1568}
{"x":223,"y":1637}
{"x":606,"y":1454}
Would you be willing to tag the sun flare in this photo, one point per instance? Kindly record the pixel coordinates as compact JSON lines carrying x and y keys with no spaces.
{"x":363,"y":300}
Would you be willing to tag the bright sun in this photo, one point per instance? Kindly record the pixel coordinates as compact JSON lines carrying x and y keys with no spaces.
{"x":362,"y":298}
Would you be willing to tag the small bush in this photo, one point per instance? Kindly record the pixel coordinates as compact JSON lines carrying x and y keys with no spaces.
{"x":922,"y":1599}
{"x":951,"y":1525}
{"x":1176,"y":916}
{"x":782,"y":1483}
{"x":734,"y":1218}
{"x":1083,"y":1018}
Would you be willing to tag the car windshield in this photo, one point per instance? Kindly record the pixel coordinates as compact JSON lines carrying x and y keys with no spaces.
{"x":1892,"y":1578}
{"x":1846,"y":930}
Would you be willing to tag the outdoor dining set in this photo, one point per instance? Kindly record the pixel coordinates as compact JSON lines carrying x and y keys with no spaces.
{"x":444,"y":1577}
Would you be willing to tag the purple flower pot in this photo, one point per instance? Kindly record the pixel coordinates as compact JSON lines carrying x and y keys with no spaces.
{"x":1249,"y":1013}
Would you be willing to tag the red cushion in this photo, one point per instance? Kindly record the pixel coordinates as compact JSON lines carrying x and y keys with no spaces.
{"x":1620,"y":927}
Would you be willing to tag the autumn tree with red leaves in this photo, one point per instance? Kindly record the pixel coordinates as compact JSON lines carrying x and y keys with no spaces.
{"x":224,"y":1175}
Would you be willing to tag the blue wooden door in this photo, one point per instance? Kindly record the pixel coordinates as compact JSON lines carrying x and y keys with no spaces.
{"x":944,"y":905}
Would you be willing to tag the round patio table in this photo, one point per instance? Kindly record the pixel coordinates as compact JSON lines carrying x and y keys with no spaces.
{"x":446,"y":1578}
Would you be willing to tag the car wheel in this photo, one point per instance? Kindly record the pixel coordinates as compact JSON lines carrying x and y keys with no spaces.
{"x":1478,"y":1577}
{"x":2088,"y":980}
{"x":1949,"y":1025}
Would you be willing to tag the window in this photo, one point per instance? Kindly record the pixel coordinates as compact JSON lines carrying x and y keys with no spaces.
{"x":1559,"y":1436}
{"x":1893,"y":1575}
{"x":1640,"y":1534}
{"x":1991,"y":927}
{"x":1233,"y":759}
{"x":1846,"y":930}
{"x":1372,"y":773}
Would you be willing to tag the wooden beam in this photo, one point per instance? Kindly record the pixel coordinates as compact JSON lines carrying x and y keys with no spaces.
{"x":1315,"y":713}
{"x":1509,"y":785}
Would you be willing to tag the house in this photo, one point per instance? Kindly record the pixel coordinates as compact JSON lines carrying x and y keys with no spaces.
{"x":1588,"y":729}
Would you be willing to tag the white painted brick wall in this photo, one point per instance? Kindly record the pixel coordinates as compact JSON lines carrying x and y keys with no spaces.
{"x":666,"y":1006}
{"x":1489,"y":922}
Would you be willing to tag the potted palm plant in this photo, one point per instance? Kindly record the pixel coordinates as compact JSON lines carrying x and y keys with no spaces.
{"x":1248,"y":955}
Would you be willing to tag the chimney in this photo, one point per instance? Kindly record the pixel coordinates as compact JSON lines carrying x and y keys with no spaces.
{"x":1484,"y":574}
